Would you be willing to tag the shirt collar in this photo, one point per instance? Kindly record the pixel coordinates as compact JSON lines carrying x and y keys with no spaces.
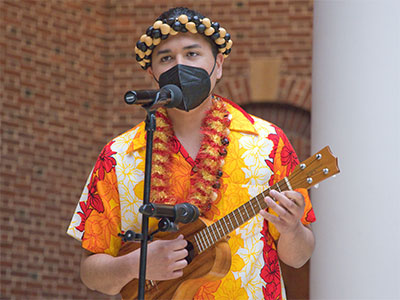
{"x":241,"y":121}
{"x":139,"y":140}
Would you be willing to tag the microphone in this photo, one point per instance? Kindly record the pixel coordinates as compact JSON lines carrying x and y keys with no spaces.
{"x":169,"y":96}
{"x":180,"y":213}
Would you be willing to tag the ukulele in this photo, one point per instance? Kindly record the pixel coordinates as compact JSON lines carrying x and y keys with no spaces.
{"x":207,"y":244}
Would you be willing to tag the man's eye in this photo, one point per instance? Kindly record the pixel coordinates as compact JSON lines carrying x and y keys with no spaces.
{"x":192,"y":54}
{"x":165,"y":58}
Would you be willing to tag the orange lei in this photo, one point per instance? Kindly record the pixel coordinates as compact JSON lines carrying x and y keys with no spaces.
{"x":206,"y":181}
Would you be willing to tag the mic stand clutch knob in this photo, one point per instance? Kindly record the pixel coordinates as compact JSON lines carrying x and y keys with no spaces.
{"x":130,"y":236}
{"x":166,"y":224}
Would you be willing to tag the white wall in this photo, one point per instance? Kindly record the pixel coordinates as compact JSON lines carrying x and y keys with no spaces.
{"x":356,"y":95}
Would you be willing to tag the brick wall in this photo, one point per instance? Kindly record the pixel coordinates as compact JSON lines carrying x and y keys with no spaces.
{"x":51,"y":118}
{"x":65,"y":66}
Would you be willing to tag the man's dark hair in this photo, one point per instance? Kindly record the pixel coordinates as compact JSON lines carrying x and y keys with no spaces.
{"x":177,"y":11}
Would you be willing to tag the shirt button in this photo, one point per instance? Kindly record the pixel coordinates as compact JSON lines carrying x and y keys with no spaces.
{"x":217,"y":185}
{"x":225,"y":141}
{"x":223,"y":152}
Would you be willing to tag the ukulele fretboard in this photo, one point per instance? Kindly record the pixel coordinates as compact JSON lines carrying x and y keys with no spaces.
{"x":211,"y":234}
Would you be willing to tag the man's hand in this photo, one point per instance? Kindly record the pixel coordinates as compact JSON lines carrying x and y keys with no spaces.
{"x":166,"y":259}
{"x":296,"y":241}
{"x":289,"y":206}
{"x":107,"y":274}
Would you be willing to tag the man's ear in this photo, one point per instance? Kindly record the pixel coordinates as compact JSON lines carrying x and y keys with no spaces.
{"x":219,"y":62}
{"x":154,"y":82}
{"x":150,"y":71}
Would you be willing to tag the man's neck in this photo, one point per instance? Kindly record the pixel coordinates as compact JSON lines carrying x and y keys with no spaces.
{"x":189,"y":123}
{"x":187,"y":126}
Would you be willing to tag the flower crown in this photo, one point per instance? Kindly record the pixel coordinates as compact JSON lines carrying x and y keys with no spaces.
{"x":161,"y":29}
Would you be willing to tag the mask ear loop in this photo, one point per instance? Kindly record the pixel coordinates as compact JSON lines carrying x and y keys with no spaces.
{"x":212,"y":71}
{"x":156,"y":79}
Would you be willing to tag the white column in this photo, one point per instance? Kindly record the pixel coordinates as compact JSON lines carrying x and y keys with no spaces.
{"x":356,"y":84}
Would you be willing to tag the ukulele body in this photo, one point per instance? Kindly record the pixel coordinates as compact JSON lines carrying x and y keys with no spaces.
{"x":210,"y":265}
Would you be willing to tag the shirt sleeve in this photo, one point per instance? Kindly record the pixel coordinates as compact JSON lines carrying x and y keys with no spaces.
{"x":284,"y":161}
{"x":96,"y":221}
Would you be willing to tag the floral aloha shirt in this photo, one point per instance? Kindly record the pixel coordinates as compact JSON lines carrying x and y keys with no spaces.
{"x":259,"y":154}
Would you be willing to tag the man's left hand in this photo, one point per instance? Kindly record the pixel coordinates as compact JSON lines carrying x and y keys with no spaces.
{"x":289,"y":206}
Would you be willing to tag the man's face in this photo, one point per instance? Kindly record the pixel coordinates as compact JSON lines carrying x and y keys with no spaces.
{"x":186,"y":49}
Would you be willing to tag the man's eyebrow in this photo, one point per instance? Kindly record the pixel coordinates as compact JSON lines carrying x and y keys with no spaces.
{"x":163,"y":51}
{"x":193,"y":46}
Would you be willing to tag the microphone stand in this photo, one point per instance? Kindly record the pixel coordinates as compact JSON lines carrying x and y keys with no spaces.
{"x":150,"y":129}
{"x":158,"y":101}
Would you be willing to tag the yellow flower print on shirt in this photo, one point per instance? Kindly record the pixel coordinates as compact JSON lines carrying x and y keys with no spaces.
{"x":206,"y":291}
{"x":101,"y":227}
{"x":230,"y":289}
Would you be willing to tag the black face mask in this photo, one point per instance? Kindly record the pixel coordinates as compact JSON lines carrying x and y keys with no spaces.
{"x":194,"y":82}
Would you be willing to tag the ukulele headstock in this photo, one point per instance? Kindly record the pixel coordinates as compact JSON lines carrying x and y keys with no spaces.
{"x":314,"y":169}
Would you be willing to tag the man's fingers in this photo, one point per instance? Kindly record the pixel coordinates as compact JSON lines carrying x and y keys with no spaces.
{"x":176,"y":274}
{"x":296,"y":197}
{"x":178,"y":243}
{"x":279,"y":209}
{"x":269,"y":217}
{"x":177,"y":269}
{"x":289,"y":200}
{"x":180,"y":254}
{"x":180,"y":264}
{"x":288,"y":206}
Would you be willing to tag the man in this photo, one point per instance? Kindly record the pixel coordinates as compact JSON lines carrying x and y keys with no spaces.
{"x":208,"y":152}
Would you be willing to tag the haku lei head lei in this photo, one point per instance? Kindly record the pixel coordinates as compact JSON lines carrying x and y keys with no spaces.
{"x":181,"y":19}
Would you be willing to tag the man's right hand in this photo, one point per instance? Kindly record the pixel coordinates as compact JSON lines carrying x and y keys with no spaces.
{"x":166,"y":259}
{"x":107,"y":274}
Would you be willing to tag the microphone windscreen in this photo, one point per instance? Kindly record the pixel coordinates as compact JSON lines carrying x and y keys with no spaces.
{"x":176,"y":95}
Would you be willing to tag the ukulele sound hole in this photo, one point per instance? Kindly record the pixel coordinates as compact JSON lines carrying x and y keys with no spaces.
{"x":190,"y":250}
